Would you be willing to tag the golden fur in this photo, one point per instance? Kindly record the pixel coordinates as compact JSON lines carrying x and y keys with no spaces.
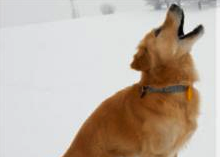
{"x":158,"y":124}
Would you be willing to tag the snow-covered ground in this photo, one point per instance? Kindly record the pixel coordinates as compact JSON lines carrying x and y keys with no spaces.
{"x":54,"y":75}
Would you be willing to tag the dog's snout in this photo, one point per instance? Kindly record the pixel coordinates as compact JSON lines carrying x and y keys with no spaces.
{"x":176,"y":9}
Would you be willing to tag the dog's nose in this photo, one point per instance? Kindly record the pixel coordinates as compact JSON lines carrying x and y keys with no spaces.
{"x":175,"y":8}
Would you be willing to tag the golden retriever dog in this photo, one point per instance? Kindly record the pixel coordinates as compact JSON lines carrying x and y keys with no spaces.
{"x":156,"y":116}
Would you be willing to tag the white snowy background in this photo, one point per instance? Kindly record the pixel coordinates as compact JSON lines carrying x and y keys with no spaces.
{"x":21,"y":12}
{"x":53,"y":75}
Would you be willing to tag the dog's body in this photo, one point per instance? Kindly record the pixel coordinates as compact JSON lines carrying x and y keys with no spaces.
{"x":157,"y":124}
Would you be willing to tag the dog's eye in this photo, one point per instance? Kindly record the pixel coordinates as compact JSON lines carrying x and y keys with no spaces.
{"x":157,"y":31}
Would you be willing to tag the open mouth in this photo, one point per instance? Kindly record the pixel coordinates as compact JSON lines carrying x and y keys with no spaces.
{"x":181,"y":33}
{"x":180,"y":30}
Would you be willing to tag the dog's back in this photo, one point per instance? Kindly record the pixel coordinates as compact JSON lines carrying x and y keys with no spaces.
{"x":124,"y":122}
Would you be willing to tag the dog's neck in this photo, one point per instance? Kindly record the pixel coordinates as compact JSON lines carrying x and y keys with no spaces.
{"x":162,"y":80}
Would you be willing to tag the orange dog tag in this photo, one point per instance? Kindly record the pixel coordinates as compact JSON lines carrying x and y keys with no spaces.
{"x":189,"y":93}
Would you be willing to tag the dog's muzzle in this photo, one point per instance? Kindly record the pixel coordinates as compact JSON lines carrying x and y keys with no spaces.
{"x":179,"y":14}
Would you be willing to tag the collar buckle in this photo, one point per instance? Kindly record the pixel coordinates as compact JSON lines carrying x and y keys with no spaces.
{"x":144,"y":90}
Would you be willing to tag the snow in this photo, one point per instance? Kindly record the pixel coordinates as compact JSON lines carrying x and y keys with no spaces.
{"x":54,"y":75}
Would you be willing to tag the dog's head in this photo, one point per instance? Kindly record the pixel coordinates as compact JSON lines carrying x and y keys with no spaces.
{"x":167,"y":46}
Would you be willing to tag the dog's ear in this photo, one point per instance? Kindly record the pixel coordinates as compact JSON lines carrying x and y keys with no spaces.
{"x":141,"y":61}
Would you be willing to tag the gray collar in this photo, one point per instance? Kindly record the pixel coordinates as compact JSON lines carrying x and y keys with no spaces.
{"x":169,"y":89}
